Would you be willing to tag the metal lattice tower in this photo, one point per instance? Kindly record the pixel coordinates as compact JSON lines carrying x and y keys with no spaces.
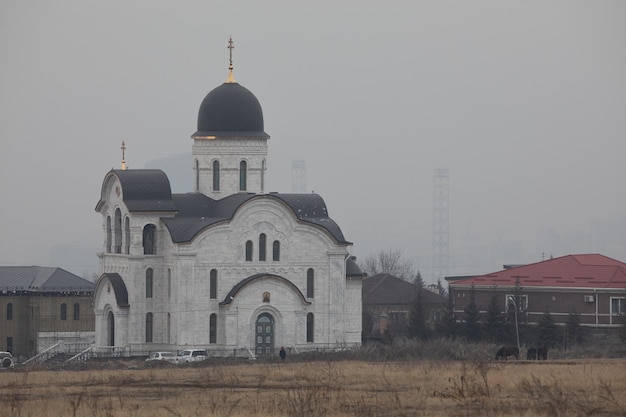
{"x":298,"y":177}
{"x":441,"y":217}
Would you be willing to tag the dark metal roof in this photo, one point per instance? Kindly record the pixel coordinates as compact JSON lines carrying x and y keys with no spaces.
{"x":143,"y":189}
{"x":196,"y":212}
{"x":352,"y":269}
{"x":230,"y":110}
{"x":119,"y":288}
{"x":233,"y":292}
{"x":385,"y":289}
{"x":42,"y":280}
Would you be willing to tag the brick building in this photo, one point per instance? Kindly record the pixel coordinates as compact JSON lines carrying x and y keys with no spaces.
{"x":40,"y":306}
{"x":590,"y":285}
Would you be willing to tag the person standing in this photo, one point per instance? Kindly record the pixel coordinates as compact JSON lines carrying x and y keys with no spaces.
{"x":282,"y":353}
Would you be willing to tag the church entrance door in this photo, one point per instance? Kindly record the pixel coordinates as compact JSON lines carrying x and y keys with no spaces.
{"x":264,"y":335}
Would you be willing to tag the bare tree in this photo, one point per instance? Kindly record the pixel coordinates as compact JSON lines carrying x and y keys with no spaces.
{"x":392,"y":262}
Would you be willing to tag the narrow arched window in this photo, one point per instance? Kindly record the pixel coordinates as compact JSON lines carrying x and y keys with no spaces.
{"x":169,"y":283}
{"x":148,"y":327}
{"x":263,"y":176}
{"x":118,"y":231}
{"x":213,"y":328}
{"x":276,"y":251}
{"x":197,"y":188}
{"x":310,"y":283}
{"x":310,"y":327}
{"x":63,"y":311}
{"x":213,"y":284}
{"x":127,"y":235}
{"x":10,"y":311}
{"x":109,"y":234}
{"x":216,"y":175}
{"x":76,"y":311}
{"x":168,"y":331}
{"x":149,"y":239}
{"x":149,"y":282}
{"x":249,"y":250}
{"x":262,"y":246}
{"x":243,"y":176}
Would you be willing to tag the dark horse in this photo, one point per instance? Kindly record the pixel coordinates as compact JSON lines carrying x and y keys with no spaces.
{"x":537,"y":353}
{"x":505,"y":351}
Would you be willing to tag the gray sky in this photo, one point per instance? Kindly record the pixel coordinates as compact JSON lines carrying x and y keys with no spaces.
{"x":524,"y":102}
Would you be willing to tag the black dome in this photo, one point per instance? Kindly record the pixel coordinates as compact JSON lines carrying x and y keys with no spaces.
{"x":230,"y":110}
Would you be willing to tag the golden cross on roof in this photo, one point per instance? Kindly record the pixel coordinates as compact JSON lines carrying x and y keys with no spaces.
{"x":123,"y":155}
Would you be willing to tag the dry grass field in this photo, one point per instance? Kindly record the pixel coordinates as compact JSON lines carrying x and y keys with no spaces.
{"x":590,"y":387}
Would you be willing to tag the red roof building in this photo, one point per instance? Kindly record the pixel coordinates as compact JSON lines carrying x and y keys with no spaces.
{"x":591,"y":285}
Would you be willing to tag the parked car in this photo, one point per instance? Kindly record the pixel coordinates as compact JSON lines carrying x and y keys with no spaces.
{"x":192,"y":355}
{"x":162,"y":356}
{"x":6,"y":360}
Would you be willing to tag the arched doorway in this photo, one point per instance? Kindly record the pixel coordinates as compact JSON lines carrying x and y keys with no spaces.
{"x":264,"y":334}
{"x":110,"y":329}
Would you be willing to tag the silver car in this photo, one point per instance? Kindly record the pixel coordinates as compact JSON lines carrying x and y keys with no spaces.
{"x":162,"y":356}
{"x":192,"y":355}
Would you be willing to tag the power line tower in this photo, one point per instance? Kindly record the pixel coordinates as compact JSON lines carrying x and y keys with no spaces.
{"x":298,"y":177}
{"x":441,"y":230}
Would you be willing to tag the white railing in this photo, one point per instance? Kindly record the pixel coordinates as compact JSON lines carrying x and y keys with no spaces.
{"x":45,"y":354}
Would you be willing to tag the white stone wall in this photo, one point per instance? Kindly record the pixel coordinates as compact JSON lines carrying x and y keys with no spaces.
{"x":230,"y":152}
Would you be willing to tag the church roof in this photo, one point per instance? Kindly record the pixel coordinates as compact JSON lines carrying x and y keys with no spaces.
{"x":230,"y":110}
{"x":143,"y":189}
{"x":41,"y":279}
{"x":570,"y":271}
{"x":196,"y":212}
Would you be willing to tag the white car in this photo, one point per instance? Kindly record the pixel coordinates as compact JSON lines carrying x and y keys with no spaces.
{"x":6,"y":360}
{"x":162,"y":356}
{"x":192,"y":355}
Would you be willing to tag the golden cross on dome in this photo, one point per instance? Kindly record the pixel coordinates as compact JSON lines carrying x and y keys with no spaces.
{"x":230,"y":47}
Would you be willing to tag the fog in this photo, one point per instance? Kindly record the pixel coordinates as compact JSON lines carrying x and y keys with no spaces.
{"x":523,"y":102}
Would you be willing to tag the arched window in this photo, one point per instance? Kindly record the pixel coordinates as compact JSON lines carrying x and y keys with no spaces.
{"x":149,"y":239}
{"x":169,"y":283}
{"x":249,"y":250}
{"x":76,"y":311}
{"x":118,"y":231}
{"x":310,"y":283}
{"x":216,"y":175}
{"x":213,"y":328}
{"x":276,"y":251}
{"x":197,"y":176}
{"x":310,"y":322}
{"x":127,"y":235}
{"x":63,"y":311}
{"x":243,"y":176}
{"x":169,"y":324}
{"x":262,"y":246}
{"x":263,"y":176}
{"x":213,"y":284}
{"x":148,"y":327}
{"x":109,"y":234}
{"x":10,"y":311}
{"x":149,"y":282}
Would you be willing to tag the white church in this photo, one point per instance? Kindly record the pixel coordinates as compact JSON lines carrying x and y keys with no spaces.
{"x":230,"y":267}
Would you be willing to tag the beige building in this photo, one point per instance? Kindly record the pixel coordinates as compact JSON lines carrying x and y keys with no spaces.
{"x":40,"y":306}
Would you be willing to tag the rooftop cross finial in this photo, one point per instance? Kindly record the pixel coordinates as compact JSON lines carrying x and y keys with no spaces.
{"x":123,"y":156}
{"x":230,"y":47}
